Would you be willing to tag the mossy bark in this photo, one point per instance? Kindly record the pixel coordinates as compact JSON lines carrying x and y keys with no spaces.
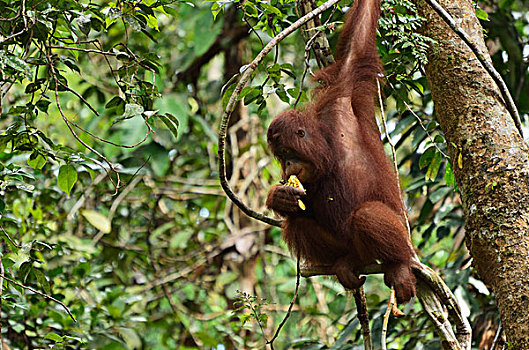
{"x":494,"y":175}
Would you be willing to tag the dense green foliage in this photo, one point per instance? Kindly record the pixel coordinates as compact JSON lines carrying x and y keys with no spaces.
{"x":108,"y":176}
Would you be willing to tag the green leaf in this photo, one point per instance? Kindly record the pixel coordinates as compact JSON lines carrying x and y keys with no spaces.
{"x":416,"y":86}
{"x":113,"y":311}
{"x":418,"y":137}
{"x":432,"y":125}
{"x":181,"y":239}
{"x":132,"y":110}
{"x":37,"y":160}
{"x":433,"y":169}
{"x":250,"y":9}
{"x":42,"y":105}
{"x":70,"y":64}
{"x":82,"y":269}
{"x":171,"y":122}
{"x":449,"y":175}
{"x":216,"y":9}
{"x":114,"y":102}
{"x":227,"y":95}
{"x":205,"y":32}
{"x":439,"y":139}
{"x":426,"y":157}
{"x":24,"y":269}
{"x":18,"y":65}
{"x":67,"y":178}
{"x":152,"y":22}
{"x":131,"y":337}
{"x":55,"y":337}
{"x":484,"y":16}
{"x":271,"y":9}
{"x":43,"y":282}
{"x":252,"y":95}
{"x":97,"y":220}
{"x":3,"y":142}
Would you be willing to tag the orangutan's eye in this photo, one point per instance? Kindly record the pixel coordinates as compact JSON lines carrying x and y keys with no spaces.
{"x":300,"y":133}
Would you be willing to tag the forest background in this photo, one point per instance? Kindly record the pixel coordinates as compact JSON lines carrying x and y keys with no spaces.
{"x":111,"y":212}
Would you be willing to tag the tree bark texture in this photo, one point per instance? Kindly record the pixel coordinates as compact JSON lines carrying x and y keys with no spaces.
{"x":493,"y":176}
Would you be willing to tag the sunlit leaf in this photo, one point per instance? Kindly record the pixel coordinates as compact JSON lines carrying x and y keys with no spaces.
{"x":36,"y":160}
{"x":449,"y":175}
{"x":55,"y":337}
{"x":97,"y":220}
{"x":171,"y":122}
{"x":67,"y":178}
{"x":43,"y":282}
{"x":433,"y":168}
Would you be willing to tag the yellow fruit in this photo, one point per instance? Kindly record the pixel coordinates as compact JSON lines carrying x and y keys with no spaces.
{"x":293,"y":181}
{"x":301,"y":204}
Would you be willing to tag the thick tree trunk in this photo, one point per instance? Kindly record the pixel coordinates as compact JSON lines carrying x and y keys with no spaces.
{"x":494,"y":176}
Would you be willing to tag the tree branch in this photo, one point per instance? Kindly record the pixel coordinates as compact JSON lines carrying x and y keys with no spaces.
{"x":363,"y":316}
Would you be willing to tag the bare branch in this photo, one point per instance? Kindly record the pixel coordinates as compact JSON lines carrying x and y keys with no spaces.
{"x":276,"y":334}
{"x":9,"y":238}
{"x":386,"y":318}
{"x":100,"y":52}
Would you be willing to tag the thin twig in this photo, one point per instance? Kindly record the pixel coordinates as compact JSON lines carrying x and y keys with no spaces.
{"x":245,"y":77}
{"x":321,"y":48}
{"x":39,"y":293}
{"x":388,"y":137}
{"x":149,"y":129}
{"x":12,"y":36}
{"x":497,"y":337}
{"x":83,"y":50}
{"x":79,"y":96}
{"x":324,"y":46}
{"x":70,"y":127}
{"x":393,"y":154}
{"x":276,"y":334}
{"x":10,"y":239}
{"x":130,"y":186}
{"x":305,"y":69}
{"x":504,"y":90}
{"x":408,"y":107}
{"x":386,"y":318}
